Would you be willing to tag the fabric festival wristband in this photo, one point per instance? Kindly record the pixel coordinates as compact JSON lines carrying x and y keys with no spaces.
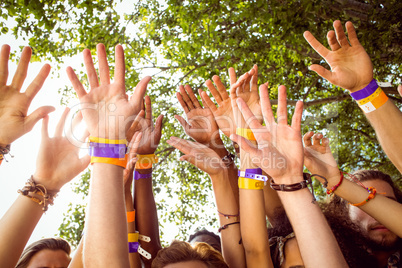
{"x":366,"y":91}
{"x":253,"y":176}
{"x":374,"y":104}
{"x":131,"y":216}
{"x":133,"y":247}
{"x":245,"y":133}
{"x":113,"y":161}
{"x":370,"y":98}
{"x":250,"y":184}
{"x":107,"y":150}
{"x":103,"y":140}
{"x":138,"y":175}
{"x":146,"y":161}
{"x":143,"y":166}
{"x":133,"y":237}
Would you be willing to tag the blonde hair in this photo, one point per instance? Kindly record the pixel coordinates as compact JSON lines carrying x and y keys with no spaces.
{"x":180,"y":251}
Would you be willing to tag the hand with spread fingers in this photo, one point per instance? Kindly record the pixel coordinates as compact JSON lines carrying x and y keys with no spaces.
{"x":106,"y":104}
{"x":279,"y":150}
{"x":200,"y":124}
{"x":58,"y":159}
{"x":199,"y":155}
{"x":151,"y":133}
{"x":318,"y":158}
{"x":351,"y":67}
{"x":14,"y":105}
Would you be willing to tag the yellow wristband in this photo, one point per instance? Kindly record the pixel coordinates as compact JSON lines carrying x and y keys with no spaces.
{"x":375,"y":103}
{"x":122,"y":162}
{"x":250,"y":184}
{"x":102,"y":140}
{"x":245,"y":133}
{"x":370,"y":98}
{"x":145,"y":161}
{"x":133,"y":237}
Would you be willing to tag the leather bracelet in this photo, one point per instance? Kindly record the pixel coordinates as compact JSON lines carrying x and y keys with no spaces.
{"x":228,"y":159}
{"x":292,"y":187}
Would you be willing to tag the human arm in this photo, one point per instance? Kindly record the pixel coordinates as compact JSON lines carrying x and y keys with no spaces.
{"x":279,"y":143}
{"x":351,"y":69}
{"x":105,"y":108}
{"x":14,"y":105}
{"x":57,"y":163}
{"x":144,"y":203}
{"x":319,"y":160}
{"x":210,"y":162}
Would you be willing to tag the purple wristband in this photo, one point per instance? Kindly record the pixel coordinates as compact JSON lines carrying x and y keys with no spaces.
{"x":107,"y":150}
{"x":138,"y":175}
{"x":250,"y":173}
{"x":365,"y":92}
{"x":133,"y":247}
{"x":254,"y":171}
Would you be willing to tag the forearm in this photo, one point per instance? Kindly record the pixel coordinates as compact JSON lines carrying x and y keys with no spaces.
{"x":16,"y":227}
{"x":272,"y":204}
{"x":253,"y":222}
{"x":106,"y":237}
{"x":147,"y":216}
{"x":232,"y":249}
{"x":77,"y":261}
{"x":387,"y":123}
{"x":308,"y":221}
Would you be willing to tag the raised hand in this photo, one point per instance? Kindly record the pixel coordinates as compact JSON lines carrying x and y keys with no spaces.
{"x":58,"y":159}
{"x":199,"y":155}
{"x":351,"y":67}
{"x":14,"y":104}
{"x":151,"y":134}
{"x":201,"y":125}
{"x":105,"y":108}
{"x":279,"y":150}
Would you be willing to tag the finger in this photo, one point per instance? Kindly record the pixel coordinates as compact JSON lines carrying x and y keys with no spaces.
{"x":148,"y":108}
{"x":254,"y":79}
{"x":248,"y":115}
{"x":22,"y":69}
{"x":4,"y":58}
{"x":189,"y":158}
{"x":133,"y":127}
{"x":90,"y":68}
{"x":37,"y":83}
{"x":247,"y":82}
{"x":183,"y":122}
{"x":332,"y":41}
{"x":60,"y":125}
{"x":158,"y":128}
{"x":207,"y":102}
{"x":182,"y":102}
{"x":325,"y":142}
{"x":139,"y":91}
{"x":266,"y":105}
{"x":321,"y":71}
{"x":76,"y":120}
{"x":104,"y":71}
{"x":192,"y":96}
{"x":317,"y":46}
{"x":354,"y":41}
{"x":245,"y":144}
{"x":186,"y":99}
{"x":282,"y":112}
{"x":134,"y":143}
{"x":317,"y":138}
{"x":36,"y":115}
{"x":221,"y":87}
{"x":120,"y":68}
{"x":400,"y":90}
{"x":214,"y":91}
{"x":340,"y":34}
{"x":183,"y":146}
{"x":232,"y":76}
{"x":307,"y":138}
{"x":297,"y":116}
{"x":79,"y":89}
{"x":84,"y":161}
{"x":45,"y":127}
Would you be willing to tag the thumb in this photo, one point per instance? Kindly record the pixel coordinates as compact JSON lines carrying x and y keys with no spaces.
{"x":400,"y":90}
{"x":321,"y":71}
{"x":36,"y":115}
{"x":182,"y":122}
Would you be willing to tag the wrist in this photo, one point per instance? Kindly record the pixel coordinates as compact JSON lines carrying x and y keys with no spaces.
{"x":52,"y":188}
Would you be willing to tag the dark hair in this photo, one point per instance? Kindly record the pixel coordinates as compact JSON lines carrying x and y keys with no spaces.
{"x":35,"y":247}
{"x":180,"y":251}
{"x":206,"y":232}
{"x":341,"y":206}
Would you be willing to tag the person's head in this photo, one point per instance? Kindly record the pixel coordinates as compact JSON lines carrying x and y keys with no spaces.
{"x":207,"y":237}
{"x":47,"y":252}
{"x":181,"y":254}
{"x":379,"y":237}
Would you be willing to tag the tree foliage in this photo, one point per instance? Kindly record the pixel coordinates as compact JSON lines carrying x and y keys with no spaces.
{"x":190,"y":41}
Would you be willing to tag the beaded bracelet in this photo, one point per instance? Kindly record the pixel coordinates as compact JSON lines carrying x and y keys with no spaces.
{"x":37,"y":193}
{"x":372,"y":192}
{"x":228,"y":216}
{"x":228,"y":159}
{"x":332,"y":190}
{"x":4,"y":151}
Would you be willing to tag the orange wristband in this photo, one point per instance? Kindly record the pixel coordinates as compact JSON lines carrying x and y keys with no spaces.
{"x":122,"y":162}
{"x":131,"y":216}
